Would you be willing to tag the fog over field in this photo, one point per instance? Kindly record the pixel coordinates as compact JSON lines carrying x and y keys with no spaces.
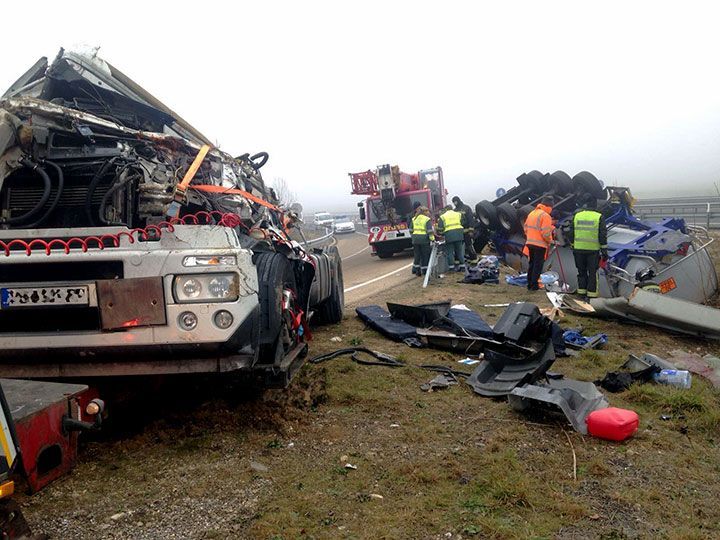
{"x":628,"y":91}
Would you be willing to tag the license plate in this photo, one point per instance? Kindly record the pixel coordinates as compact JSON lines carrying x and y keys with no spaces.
{"x":20,"y":297}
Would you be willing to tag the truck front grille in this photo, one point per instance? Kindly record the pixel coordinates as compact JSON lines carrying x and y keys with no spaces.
{"x":60,"y":271}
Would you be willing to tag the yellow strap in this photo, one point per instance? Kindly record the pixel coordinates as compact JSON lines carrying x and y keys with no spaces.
{"x":192,"y":171}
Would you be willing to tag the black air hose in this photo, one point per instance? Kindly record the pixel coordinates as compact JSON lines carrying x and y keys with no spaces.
{"x":34,"y":167}
{"x":56,"y":200}
{"x":110,"y":193}
{"x":93,"y":186}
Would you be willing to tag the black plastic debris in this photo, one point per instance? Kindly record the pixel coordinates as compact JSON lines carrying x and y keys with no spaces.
{"x":379,"y":319}
{"x":469,"y":321}
{"x":499,"y":373}
{"x":574,"y":399}
{"x":518,"y":322}
{"x":379,"y":359}
{"x":440,"y":382}
{"x":421,"y":315}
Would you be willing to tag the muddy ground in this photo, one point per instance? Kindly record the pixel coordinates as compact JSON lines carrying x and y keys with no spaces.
{"x":191,"y":458}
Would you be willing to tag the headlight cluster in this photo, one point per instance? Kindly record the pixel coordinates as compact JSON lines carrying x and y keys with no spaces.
{"x":194,"y":288}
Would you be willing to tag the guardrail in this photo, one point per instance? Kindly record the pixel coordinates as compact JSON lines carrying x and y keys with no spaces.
{"x":327,"y":236}
{"x":702,"y":211}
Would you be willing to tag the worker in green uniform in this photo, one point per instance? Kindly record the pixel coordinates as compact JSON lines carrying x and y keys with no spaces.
{"x":421,"y":231}
{"x":588,"y":234}
{"x":451,"y":225}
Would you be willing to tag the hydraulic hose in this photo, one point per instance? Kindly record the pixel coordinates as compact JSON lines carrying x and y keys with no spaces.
{"x":56,"y":200}
{"x":93,"y":186}
{"x":110,"y":193}
{"x":34,"y":167}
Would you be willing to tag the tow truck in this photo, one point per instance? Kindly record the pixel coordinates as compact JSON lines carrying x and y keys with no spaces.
{"x":131,"y":245}
{"x":388,"y":207}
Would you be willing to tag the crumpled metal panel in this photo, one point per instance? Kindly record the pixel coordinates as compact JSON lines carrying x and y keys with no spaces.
{"x":662,"y":311}
{"x":575,"y":399}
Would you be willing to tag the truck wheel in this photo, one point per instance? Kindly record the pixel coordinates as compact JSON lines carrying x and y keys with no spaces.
{"x":384,"y":254}
{"x":508,"y":217}
{"x":486,"y":212}
{"x":531,"y":181}
{"x":560,"y":183}
{"x":524,"y":211}
{"x":331,"y":310}
{"x":275,"y":279}
{"x":585,"y":182}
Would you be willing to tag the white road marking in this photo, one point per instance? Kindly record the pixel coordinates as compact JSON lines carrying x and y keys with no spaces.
{"x":362,"y":234}
{"x":378,"y":278}
{"x":356,"y":253}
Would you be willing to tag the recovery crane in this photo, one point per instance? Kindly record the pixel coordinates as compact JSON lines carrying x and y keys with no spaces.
{"x":388,"y":208}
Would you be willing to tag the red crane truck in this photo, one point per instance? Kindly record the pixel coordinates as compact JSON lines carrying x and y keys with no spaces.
{"x":388,"y":209}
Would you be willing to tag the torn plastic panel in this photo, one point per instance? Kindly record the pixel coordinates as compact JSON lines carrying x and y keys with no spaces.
{"x":575,"y":399}
{"x":499,"y":373}
{"x":420,"y":315}
{"x":518,"y":322}
{"x":379,"y":319}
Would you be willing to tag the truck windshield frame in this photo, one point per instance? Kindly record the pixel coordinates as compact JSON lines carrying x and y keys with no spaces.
{"x":400,"y":209}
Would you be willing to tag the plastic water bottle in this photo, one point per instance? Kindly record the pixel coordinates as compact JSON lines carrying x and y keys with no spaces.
{"x":674,"y":377}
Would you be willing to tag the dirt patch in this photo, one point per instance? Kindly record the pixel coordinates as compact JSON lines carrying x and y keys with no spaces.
{"x":229,"y":463}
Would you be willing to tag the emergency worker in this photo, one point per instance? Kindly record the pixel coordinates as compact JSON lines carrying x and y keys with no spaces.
{"x":538,"y":237}
{"x":451,"y":226}
{"x":421,"y":231}
{"x":469,"y":225}
{"x":588,"y":234}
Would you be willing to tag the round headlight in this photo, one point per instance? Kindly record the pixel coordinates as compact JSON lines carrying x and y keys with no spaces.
{"x":223,"y":319}
{"x":187,"y":320}
{"x":219,"y":287}
{"x":192,"y":288}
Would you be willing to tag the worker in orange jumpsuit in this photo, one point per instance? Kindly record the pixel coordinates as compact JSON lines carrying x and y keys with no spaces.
{"x":538,"y":237}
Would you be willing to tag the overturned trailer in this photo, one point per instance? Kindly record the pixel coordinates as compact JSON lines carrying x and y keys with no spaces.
{"x":668,"y":256}
{"x":130,"y":245}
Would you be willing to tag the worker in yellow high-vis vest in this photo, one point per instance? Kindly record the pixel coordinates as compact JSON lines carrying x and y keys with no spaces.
{"x":452,"y":226}
{"x":421,"y":231}
{"x":588,"y":234}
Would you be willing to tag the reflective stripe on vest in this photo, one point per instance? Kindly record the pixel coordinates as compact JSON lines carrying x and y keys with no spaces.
{"x":535,"y":232}
{"x":420,"y":225}
{"x":586,"y":225}
{"x":452,"y":221}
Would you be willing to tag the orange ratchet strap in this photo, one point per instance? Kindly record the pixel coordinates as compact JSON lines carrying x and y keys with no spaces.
{"x":231,"y":191}
{"x":192,"y":171}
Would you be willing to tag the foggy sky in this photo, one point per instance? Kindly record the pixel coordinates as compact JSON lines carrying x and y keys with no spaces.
{"x":629,"y":91}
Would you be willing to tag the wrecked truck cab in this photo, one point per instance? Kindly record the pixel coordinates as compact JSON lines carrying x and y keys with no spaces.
{"x":130,"y":245}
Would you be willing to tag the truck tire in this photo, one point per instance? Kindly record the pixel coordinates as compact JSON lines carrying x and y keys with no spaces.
{"x":586,"y":182}
{"x":560,"y":183}
{"x":508,"y":217}
{"x":523,"y":212}
{"x":275,"y":274}
{"x":486,"y":213}
{"x":382,"y":254}
{"x":532,"y":181}
{"x":330,"y":311}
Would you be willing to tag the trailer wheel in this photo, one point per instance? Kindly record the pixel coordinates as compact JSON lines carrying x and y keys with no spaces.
{"x":331,"y":310}
{"x":382,"y":254}
{"x":586,"y":182}
{"x":524,"y":211}
{"x":560,"y":183}
{"x":275,"y":279}
{"x":532,"y":181}
{"x":486,"y":213}
{"x":508,"y":217}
